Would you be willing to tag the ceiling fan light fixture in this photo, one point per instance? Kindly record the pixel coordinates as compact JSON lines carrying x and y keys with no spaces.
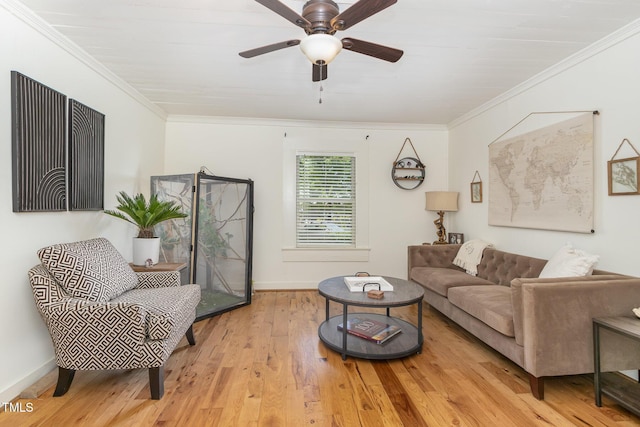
{"x":320,"y":48}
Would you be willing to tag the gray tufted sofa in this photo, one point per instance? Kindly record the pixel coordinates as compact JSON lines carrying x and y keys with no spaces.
{"x":102,"y":315}
{"x":543,"y":325}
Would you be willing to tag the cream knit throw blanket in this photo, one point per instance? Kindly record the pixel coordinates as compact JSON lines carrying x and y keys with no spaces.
{"x":470,"y":254}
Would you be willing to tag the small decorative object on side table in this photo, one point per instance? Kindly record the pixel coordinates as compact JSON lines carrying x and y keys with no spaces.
{"x":165,"y":266}
{"x":456,"y":238}
{"x":375,"y":294}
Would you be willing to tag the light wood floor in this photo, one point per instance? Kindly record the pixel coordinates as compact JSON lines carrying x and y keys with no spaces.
{"x":263,"y":365}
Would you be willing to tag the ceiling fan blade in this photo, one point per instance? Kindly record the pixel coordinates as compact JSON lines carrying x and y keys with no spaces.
{"x":376,"y":50}
{"x":319,"y":72}
{"x":284,"y":11}
{"x":358,"y":12}
{"x":269,"y":48}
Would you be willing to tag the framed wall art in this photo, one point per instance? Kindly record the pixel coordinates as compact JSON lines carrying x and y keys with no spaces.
{"x":456,"y":238}
{"x":476,"y":189}
{"x":476,"y":192}
{"x":624,"y":174}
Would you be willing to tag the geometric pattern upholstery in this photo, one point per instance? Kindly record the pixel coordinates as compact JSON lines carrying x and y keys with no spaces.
{"x":164,"y":308}
{"x":91,"y":269}
{"x":138,"y":328}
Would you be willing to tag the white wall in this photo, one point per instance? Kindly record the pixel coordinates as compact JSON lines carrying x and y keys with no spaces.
{"x":135,"y":133}
{"x":605,"y":80}
{"x":254,"y":149}
{"x":134,"y":138}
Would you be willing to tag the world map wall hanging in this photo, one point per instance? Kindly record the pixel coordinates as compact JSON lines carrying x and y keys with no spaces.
{"x":543,"y":177}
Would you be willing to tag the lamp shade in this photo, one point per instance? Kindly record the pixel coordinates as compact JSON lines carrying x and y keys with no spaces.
{"x":320,"y":48}
{"x":446,"y":201}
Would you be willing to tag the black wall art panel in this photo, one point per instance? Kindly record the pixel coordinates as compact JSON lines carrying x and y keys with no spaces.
{"x":57,"y":150}
{"x":38,"y":146}
{"x":86,"y":157}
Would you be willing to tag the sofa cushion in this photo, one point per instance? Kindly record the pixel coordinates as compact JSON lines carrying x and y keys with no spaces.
{"x":569,"y":262}
{"x":92,"y":270}
{"x":440,"y":280}
{"x":502,"y":267}
{"x":489,"y":304}
{"x":166,"y":307}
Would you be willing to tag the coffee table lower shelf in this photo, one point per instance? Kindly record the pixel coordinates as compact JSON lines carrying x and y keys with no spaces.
{"x":404,"y":344}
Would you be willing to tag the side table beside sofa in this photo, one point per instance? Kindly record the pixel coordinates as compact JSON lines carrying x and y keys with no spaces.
{"x":542,"y":325}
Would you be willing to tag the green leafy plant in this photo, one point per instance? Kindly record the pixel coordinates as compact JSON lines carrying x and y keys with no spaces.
{"x":143,"y":215}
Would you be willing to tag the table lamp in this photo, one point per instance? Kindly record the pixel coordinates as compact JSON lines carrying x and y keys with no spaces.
{"x":441,"y":202}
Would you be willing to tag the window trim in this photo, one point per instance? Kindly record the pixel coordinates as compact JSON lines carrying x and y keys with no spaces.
{"x":292,"y":147}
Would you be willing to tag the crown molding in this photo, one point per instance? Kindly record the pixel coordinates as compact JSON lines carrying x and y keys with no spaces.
{"x":27,"y":16}
{"x":588,"y":52}
{"x":256,"y":121}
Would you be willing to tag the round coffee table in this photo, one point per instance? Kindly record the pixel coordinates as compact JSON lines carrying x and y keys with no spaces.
{"x":404,"y":293}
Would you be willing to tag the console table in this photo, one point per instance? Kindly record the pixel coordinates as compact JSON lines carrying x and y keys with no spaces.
{"x":404,"y":293}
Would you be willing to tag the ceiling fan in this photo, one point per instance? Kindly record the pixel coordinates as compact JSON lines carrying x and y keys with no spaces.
{"x":321,"y":19}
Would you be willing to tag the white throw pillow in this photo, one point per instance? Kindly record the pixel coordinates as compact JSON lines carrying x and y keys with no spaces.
{"x":569,"y":262}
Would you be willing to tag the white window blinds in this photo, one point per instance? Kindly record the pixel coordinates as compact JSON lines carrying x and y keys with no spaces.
{"x":325,"y":201}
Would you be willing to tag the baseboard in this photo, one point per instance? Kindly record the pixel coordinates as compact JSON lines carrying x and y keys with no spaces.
{"x":284,"y":286}
{"x":36,"y":389}
{"x":14,"y":390}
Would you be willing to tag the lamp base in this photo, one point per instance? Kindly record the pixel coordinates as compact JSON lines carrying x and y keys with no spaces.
{"x":441,"y":231}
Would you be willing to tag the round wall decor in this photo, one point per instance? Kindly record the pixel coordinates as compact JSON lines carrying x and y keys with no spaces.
{"x":408,"y":172}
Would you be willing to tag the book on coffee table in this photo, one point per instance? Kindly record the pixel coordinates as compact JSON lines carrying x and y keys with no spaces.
{"x":372,"y":330}
{"x":368,"y":283}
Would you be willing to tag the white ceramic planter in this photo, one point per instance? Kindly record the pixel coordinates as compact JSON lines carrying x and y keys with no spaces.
{"x":145,"y":249}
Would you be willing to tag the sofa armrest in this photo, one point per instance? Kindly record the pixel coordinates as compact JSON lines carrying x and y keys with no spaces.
{"x":554,"y":318}
{"x":516,"y":295}
{"x":157,"y":279}
{"x":441,"y":256}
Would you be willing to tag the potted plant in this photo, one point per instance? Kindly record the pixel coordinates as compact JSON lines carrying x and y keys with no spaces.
{"x":136,"y":210}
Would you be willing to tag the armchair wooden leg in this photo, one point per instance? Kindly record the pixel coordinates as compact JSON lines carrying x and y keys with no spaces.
{"x":190,"y":337}
{"x":537,"y":386}
{"x":65,"y":376}
{"x":156,"y":382}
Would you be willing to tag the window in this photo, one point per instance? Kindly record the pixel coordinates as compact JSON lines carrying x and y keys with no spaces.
{"x":325,"y":201}
{"x":325,"y":197}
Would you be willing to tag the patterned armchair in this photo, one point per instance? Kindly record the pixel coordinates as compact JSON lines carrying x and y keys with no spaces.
{"x":102,"y":315}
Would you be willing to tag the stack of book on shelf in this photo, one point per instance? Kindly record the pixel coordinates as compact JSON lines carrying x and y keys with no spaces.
{"x":369,"y":283}
{"x":369,"y":329}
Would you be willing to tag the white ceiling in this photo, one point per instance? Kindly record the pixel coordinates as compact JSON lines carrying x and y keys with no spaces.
{"x":458,"y":54}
